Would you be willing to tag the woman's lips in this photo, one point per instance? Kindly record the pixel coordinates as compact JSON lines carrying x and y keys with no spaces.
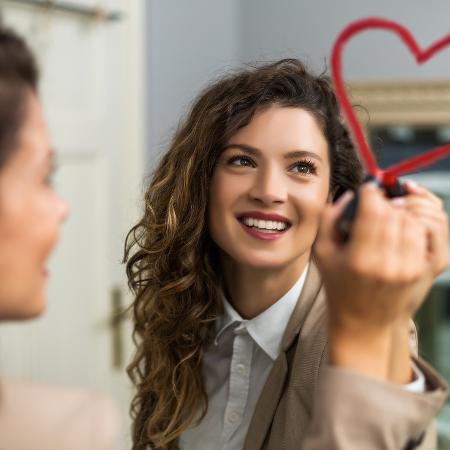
{"x":254,"y":232}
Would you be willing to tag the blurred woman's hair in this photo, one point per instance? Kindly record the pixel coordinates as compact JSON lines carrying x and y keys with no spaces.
{"x":18,"y":77}
{"x":172,"y":263}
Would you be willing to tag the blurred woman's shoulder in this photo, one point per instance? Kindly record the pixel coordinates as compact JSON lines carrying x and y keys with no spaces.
{"x":39,"y":416}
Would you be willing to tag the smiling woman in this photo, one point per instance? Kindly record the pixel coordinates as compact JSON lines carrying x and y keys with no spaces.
{"x":255,"y":327}
{"x":272,"y":182}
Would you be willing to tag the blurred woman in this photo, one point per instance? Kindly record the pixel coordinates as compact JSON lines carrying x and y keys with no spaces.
{"x":31,"y":215}
{"x":256,"y":328}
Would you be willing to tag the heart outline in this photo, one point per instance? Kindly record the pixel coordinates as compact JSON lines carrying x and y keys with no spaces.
{"x":389,"y":175}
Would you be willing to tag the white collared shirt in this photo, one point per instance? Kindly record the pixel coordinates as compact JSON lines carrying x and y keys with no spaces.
{"x":235,"y":369}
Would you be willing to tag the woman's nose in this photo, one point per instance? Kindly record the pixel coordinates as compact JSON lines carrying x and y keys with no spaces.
{"x":269,"y":187}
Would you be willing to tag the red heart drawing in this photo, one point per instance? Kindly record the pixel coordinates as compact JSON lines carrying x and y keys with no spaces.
{"x":389,"y":175}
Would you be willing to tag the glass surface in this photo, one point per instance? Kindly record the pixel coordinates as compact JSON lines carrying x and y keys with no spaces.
{"x":395,"y":143}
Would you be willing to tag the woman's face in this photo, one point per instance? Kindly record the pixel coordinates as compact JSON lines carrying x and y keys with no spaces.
{"x":277,"y":164}
{"x":31,"y":214}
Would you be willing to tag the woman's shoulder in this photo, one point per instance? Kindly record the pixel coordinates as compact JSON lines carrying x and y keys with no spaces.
{"x":35,"y":415}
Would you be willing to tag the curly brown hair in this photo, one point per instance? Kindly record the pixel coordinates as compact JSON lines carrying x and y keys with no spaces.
{"x":172,"y":262}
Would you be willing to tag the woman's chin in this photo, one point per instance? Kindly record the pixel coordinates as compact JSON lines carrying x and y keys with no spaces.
{"x":35,"y":312}
{"x":263,"y":262}
{"x":23,"y":309}
{"x":254,"y":259}
{"x":36,"y":307}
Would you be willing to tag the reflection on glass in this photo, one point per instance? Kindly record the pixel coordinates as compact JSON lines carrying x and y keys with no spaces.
{"x":393,"y":144}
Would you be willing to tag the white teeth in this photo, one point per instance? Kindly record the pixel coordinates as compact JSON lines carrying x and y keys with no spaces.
{"x":264,"y":224}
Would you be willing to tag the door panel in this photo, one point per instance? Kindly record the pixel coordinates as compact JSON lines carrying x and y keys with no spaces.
{"x":92,"y":92}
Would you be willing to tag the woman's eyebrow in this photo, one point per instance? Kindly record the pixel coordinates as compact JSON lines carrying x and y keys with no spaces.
{"x":290,"y":155}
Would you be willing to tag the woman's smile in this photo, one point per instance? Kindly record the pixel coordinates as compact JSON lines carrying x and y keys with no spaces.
{"x":266,"y":230}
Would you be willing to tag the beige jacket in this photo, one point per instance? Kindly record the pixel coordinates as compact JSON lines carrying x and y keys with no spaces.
{"x":40,"y":417}
{"x":309,"y":405}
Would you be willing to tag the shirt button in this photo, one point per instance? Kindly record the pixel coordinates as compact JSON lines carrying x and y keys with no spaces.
{"x":233,"y":417}
{"x":240,"y":369}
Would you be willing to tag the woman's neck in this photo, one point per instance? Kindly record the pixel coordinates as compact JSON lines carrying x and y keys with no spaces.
{"x":252,"y":290}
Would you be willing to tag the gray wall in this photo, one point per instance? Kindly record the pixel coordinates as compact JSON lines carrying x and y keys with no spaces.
{"x":308,"y":29}
{"x":190,"y":42}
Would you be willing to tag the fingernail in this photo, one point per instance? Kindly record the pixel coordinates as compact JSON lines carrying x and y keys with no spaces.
{"x":346,"y":196}
{"x":412,"y":183}
{"x":372,"y":185}
{"x":398,"y":201}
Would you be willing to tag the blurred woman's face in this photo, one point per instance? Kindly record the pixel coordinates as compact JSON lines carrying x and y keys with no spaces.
{"x":276,"y":165}
{"x":31,"y":214}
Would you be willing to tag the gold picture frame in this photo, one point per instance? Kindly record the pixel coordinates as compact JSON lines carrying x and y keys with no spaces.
{"x":406,"y":102}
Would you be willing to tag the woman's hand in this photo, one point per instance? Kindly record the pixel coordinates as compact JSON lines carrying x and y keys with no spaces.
{"x":428,"y":209}
{"x":371,"y":280}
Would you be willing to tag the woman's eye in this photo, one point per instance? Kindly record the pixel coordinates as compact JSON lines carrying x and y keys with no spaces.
{"x":233,"y":159}
{"x":303,"y":167}
{"x":306,"y":167}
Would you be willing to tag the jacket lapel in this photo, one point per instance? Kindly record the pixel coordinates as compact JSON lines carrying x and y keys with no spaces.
{"x":305,"y":303}
{"x":266,"y":405}
{"x":275,"y":384}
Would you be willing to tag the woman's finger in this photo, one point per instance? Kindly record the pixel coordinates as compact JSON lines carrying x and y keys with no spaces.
{"x":436,"y":227}
{"x":326,"y":236}
{"x":437,"y":239}
{"x":438,"y":218}
{"x":413,"y":188}
{"x":412,"y":246}
{"x":413,"y":200}
{"x":370,"y":217}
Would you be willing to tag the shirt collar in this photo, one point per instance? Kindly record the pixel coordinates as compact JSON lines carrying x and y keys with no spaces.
{"x":229,"y":317}
{"x":267,"y":328}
